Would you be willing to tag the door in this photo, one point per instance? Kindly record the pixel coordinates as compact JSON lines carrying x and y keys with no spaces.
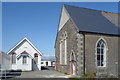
{"x":73,"y":68}
{"x":57,"y":64}
{"x":72,"y":64}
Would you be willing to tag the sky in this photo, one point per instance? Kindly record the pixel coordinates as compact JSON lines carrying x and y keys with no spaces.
{"x":38,"y":21}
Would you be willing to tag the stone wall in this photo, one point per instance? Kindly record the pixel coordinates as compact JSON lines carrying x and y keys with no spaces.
{"x":71,"y":45}
{"x":75,"y":43}
{"x":111,"y":54}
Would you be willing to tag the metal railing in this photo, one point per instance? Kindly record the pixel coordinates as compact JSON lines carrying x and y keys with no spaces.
{"x":3,"y":73}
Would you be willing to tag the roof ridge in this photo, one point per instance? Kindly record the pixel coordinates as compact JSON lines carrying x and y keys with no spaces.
{"x":92,"y":9}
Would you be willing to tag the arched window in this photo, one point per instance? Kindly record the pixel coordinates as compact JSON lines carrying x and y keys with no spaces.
{"x":72,"y":56}
{"x":24,"y":59}
{"x":101,"y":53}
{"x":36,"y":57}
{"x":63,"y":51}
{"x":60,"y":51}
{"x":13,"y":58}
{"x":65,"y":48}
{"x":24,"y":55}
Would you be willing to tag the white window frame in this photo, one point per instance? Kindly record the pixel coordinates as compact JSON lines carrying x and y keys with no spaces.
{"x":63,"y":44}
{"x":23,"y":60}
{"x":104,"y":52}
{"x":13,"y":56}
{"x":65,"y":48}
{"x":60,"y":51}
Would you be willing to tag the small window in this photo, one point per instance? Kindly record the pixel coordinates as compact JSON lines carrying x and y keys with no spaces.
{"x":36,"y":57}
{"x":13,"y":58}
{"x":41,"y":62}
{"x":24,"y":59}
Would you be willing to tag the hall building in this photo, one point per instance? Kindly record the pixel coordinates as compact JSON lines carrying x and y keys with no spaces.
{"x":25,"y":56}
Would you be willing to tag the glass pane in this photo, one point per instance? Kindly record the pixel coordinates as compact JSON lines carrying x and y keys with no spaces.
{"x":98,"y":57}
{"x":24,"y":59}
{"x":98,"y":51}
{"x":102,"y":46}
{"x":100,"y":42}
{"x":101,"y":62}
{"x":72,"y":56}
{"x":102,"y":51}
{"x":102,"y":57}
{"x":36,"y":59}
{"x":98,"y":62}
{"x":98,"y":45}
{"x":14,"y":58}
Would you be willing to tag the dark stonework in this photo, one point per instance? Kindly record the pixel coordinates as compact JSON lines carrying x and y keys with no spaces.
{"x":71,"y":45}
{"x":75,"y":42}
{"x":111,"y":55}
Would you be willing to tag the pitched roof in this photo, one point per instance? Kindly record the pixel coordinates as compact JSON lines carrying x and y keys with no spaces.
{"x":90,"y":20}
{"x":25,"y":39}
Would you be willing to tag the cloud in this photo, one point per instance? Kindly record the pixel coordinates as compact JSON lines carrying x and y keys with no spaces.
{"x":48,"y":57}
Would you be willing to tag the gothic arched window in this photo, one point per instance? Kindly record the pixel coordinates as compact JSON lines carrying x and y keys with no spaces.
{"x":101,"y":53}
{"x":63,"y":49}
{"x":36,"y":57}
{"x":65,"y":38}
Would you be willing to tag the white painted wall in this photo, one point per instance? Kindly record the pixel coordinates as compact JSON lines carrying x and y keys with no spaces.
{"x":39,"y":62}
{"x":44,"y":63}
{"x":25,"y":46}
{"x":22,"y":66}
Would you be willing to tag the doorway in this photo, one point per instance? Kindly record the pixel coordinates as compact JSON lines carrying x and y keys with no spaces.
{"x":72,"y":64}
{"x":56,"y":63}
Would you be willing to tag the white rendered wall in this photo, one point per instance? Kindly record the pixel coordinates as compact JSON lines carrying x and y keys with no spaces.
{"x":49,"y":63}
{"x":44,"y":63}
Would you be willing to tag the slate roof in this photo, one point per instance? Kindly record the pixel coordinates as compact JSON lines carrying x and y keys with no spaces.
{"x":90,"y":20}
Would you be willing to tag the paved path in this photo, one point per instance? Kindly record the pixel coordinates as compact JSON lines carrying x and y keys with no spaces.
{"x":46,"y":72}
{"x":42,"y":74}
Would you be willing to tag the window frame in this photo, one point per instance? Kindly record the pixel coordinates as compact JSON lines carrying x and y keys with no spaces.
{"x":104,"y":53}
{"x":36,"y":57}
{"x":24,"y":61}
{"x":63,"y":48}
{"x":13,"y":54}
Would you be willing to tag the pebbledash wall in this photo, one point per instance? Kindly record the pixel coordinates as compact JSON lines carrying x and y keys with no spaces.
{"x":75,"y":43}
